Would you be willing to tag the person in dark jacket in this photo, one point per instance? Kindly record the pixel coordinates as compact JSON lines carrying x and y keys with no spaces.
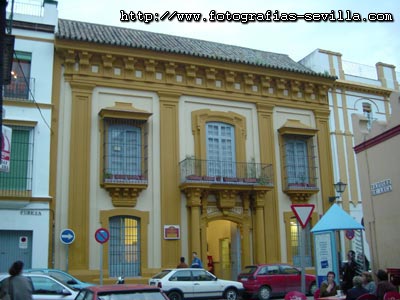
{"x":349,"y":271}
{"x":383,"y":284}
{"x":357,"y":290}
{"x":17,"y":286}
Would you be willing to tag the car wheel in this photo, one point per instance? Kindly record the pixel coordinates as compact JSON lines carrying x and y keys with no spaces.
{"x":313,"y":288}
{"x":175,"y":295}
{"x":264,"y":293}
{"x":231,"y":294}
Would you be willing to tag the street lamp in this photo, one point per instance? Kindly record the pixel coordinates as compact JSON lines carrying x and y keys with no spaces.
{"x":339,"y":188}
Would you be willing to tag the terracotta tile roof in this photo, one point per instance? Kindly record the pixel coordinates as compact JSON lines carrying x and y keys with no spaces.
{"x":126,"y":37}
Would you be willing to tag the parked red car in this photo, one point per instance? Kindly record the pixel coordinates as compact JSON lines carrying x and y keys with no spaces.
{"x":121,"y":292}
{"x":266,"y":280}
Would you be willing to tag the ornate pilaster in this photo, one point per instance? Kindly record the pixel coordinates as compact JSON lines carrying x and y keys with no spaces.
{"x":259,"y":203}
{"x":194,"y":203}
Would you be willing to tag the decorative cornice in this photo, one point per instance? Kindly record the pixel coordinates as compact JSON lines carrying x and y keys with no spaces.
{"x":124,"y":67}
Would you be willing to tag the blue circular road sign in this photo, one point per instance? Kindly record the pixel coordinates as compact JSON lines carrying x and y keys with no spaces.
{"x":67,"y":236}
{"x":102,"y":235}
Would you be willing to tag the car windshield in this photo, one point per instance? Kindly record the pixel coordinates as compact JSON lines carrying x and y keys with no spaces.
{"x":132,"y":295}
{"x":249,"y":270}
{"x":161,"y":274}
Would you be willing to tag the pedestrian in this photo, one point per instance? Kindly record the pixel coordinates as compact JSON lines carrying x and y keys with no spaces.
{"x":383,"y":284}
{"x":328,"y":287}
{"x":349,"y":271}
{"x":357,"y":290}
{"x":368,"y":282}
{"x":196,"y":262}
{"x":182,"y":263}
{"x":17,"y":286}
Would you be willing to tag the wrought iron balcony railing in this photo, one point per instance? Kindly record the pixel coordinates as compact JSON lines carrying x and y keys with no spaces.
{"x":224,"y":172}
{"x":20,"y":89}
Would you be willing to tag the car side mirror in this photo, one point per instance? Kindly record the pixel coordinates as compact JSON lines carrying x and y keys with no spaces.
{"x":71,"y":281}
{"x":65,"y":292}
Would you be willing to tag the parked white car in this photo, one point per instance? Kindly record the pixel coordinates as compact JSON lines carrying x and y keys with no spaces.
{"x":193,"y":283}
{"x":46,"y":287}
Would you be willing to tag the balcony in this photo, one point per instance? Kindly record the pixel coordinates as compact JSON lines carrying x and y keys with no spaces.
{"x":20,"y":89}
{"x":300,"y":188}
{"x":211,"y":172}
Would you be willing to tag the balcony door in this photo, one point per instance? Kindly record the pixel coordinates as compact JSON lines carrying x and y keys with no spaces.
{"x":220,"y":149}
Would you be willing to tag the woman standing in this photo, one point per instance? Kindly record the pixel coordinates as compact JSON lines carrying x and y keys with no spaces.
{"x":17,"y":286}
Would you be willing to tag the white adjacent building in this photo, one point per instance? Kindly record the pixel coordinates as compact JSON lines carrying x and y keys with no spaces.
{"x":26,"y":216}
{"x":359,"y":89}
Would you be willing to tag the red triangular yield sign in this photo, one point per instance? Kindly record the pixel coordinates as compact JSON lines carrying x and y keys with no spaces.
{"x":303,"y":212}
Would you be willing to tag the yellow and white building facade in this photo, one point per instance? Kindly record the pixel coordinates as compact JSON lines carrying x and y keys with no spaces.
{"x":176,"y":145}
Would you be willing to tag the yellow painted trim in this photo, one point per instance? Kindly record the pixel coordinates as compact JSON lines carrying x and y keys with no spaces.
{"x":170,"y":194}
{"x":271,"y":205}
{"x":19,"y":123}
{"x":79,"y":174}
{"x":55,"y":118}
{"x":29,"y":104}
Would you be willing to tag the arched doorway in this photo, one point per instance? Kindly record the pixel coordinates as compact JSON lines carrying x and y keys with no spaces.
{"x":224,"y":248}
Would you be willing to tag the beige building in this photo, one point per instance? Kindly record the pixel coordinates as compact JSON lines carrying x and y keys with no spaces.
{"x":377,"y":153}
{"x":176,"y":145}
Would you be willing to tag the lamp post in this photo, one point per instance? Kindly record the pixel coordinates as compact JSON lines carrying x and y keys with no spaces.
{"x":339,"y":188}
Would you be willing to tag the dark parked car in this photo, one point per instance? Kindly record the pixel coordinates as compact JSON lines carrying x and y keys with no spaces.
{"x":266,"y":280}
{"x":121,"y":292}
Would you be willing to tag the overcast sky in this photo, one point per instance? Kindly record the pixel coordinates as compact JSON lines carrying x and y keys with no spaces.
{"x":363,"y":42}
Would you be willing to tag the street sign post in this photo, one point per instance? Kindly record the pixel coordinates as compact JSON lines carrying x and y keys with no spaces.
{"x":303,"y":213}
{"x":101,"y":236}
{"x":67,"y":237}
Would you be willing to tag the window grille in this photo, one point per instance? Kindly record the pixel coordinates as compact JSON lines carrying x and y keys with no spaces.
{"x":300,"y":162}
{"x":124,"y":251}
{"x":125,"y":150}
{"x":18,"y":181}
{"x":295,"y":236}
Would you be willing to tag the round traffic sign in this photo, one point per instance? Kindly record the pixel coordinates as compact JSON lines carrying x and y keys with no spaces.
{"x":102,"y":235}
{"x":67,"y":236}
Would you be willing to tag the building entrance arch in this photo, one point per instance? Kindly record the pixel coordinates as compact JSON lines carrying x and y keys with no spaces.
{"x":224,"y":248}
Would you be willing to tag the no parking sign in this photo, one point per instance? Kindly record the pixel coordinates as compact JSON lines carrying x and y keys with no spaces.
{"x":102,"y":235}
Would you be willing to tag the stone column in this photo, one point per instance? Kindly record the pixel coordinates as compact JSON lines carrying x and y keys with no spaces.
{"x":194,"y":202}
{"x":246,"y":255}
{"x":259,"y":203}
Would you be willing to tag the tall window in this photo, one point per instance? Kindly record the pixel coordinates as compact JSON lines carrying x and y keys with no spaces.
{"x":220,"y":149}
{"x":124,"y":251}
{"x":18,"y":181}
{"x":20,"y":77}
{"x":295,"y":242}
{"x":297,"y":169}
{"x":123,"y":149}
